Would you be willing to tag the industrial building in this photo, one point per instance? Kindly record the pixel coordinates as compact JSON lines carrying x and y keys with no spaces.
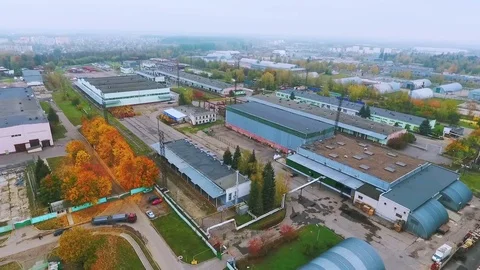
{"x":417,"y":84}
{"x":199,"y":167}
{"x":399,"y":189}
{"x":385,"y":88}
{"x":278,"y":128}
{"x":192,"y":114}
{"x":23,"y":123}
{"x":349,"y":80}
{"x":352,"y":108}
{"x":448,"y":88}
{"x":32,"y":77}
{"x":349,"y":124}
{"x":123,"y":90}
{"x":422,"y":93}
{"x":474,"y":95}
{"x":350,"y":254}
{"x":263,"y":65}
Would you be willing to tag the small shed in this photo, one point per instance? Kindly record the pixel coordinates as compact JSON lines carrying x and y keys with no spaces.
{"x":448,"y":88}
{"x":174,"y":114}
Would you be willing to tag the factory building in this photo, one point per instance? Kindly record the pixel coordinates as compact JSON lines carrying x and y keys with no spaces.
{"x":23,"y":123}
{"x":352,"y":108}
{"x":350,"y":254}
{"x":422,"y":93}
{"x":278,"y":128}
{"x":474,"y":95}
{"x":263,"y":65}
{"x":32,"y":77}
{"x":349,"y":124}
{"x":400,"y":189}
{"x":123,"y":90}
{"x":448,"y":88}
{"x":192,"y":114}
{"x":385,"y":88}
{"x":200,"y":168}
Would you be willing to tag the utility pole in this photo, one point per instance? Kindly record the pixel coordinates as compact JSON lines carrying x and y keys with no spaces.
{"x":178,"y":75}
{"x":161,"y":147}
{"x":104,"y":108}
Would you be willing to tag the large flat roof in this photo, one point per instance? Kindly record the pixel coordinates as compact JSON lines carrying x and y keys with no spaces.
{"x":18,"y":106}
{"x":280,"y":117}
{"x":365,"y":156}
{"x":422,"y":185}
{"x":367,"y":126}
{"x":205,"y":164}
{"x":123,"y":83}
{"x":32,"y":75}
{"x":172,"y":72}
{"x":357,"y":106}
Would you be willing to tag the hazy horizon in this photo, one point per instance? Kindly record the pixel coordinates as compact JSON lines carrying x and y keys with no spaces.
{"x":424,"y":22}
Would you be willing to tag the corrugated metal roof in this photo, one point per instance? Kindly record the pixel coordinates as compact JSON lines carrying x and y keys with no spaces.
{"x":326,"y":171}
{"x":31,"y":76}
{"x":421,"y":185}
{"x":350,"y":254}
{"x":451,"y":87}
{"x":286,"y":119}
{"x":422,"y":93}
{"x":426,"y":220}
{"x":174,"y":113}
{"x":456,"y":196}
{"x":19,"y":106}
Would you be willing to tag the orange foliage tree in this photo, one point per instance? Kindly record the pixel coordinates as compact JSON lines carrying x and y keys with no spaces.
{"x":91,"y":129}
{"x":122,"y":111}
{"x":82,"y":185}
{"x":73,"y":147}
{"x":82,"y":158}
{"x":137,"y":172}
{"x":77,"y":245}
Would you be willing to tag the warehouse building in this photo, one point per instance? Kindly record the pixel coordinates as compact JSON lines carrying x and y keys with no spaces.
{"x":352,"y":108}
{"x":350,"y":254}
{"x":422,"y":93}
{"x":448,"y":88}
{"x":32,"y":77}
{"x":349,"y":124}
{"x":417,"y":84}
{"x":399,"y":189}
{"x":349,"y":80}
{"x":192,"y":114}
{"x":474,"y":95}
{"x":123,"y":90}
{"x":278,"y":128}
{"x":199,"y":167}
{"x":385,"y":88}
{"x":263,"y":65}
{"x":23,"y":123}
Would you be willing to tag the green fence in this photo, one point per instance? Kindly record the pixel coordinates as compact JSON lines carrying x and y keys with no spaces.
{"x":23,"y":223}
{"x":137,"y":190}
{"x":44,"y":217}
{"x":6,"y":228}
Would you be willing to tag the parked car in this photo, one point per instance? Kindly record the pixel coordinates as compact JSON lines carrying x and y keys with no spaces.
{"x":152,"y":198}
{"x":59,"y":232}
{"x":150,"y":214}
{"x":157,"y":201}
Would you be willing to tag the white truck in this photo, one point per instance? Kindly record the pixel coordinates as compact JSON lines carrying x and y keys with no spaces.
{"x":442,"y":253}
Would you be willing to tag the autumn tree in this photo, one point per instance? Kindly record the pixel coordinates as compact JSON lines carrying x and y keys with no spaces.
{"x":268,"y":190}
{"x":137,"y":172}
{"x":198,"y":95}
{"x":72,"y":148}
{"x":288,"y":232}
{"x":267,"y":81}
{"x":78,"y":246}
{"x":236,"y":158}
{"x":82,"y":185}
{"x":255,"y":246}
{"x":82,"y":158}
{"x":91,"y":129}
{"x":282,"y":181}
{"x":227,"y":157}
{"x":50,"y":189}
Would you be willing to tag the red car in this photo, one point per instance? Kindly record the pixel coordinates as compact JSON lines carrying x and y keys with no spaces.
{"x":157,"y":201}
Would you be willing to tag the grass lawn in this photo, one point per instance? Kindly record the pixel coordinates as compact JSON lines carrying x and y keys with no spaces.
{"x":11,"y":266}
{"x":442,"y":100}
{"x":242,"y":219}
{"x":195,"y":129}
{"x":467,"y":124}
{"x":55,"y":162}
{"x":290,"y":255}
{"x":269,"y":221}
{"x":472,"y":180}
{"x":58,"y":131}
{"x":181,"y":238}
{"x":73,"y":114}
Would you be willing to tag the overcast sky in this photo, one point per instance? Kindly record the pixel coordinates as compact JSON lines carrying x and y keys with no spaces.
{"x":379,"y":20}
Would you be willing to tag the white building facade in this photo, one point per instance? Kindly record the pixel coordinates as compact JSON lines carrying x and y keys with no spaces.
{"x":23,"y":137}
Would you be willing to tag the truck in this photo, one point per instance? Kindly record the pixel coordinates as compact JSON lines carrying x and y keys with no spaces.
{"x":109,"y":220}
{"x":442,"y":253}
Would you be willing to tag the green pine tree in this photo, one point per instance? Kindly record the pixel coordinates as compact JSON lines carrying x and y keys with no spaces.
{"x":367,"y":112}
{"x":425,"y":127}
{"x":41,"y":170}
{"x":361,"y":113}
{"x":252,"y":158}
{"x":227,"y":157}
{"x":268,"y":191}
{"x":52,"y":117}
{"x":254,"y":200}
{"x":236,"y":158}
{"x":292,"y":95}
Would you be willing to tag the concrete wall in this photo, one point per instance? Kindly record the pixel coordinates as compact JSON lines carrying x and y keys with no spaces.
{"x":40,"y":131}
{"x":243,"y":190}
{"x":365,"y":199}
{"x":389,"y":209}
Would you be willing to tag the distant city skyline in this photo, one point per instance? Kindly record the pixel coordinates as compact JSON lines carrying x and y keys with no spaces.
{"x":371,"y":21}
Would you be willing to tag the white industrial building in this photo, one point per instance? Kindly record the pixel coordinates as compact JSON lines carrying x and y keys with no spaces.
{"x":23,"y":124}
{"x":448,"y":88}
{"x":262,"y":65}
{"x":192,"y":114}
{"x":422,"y":93}
{"x":123,"y":90}
{"x":417,"y":84}
{"x":384,"y":88}
{"x":198,"y":166}
{"x":32,"y":77}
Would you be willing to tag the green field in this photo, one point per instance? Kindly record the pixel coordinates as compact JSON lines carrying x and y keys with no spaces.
{"x":181,"y":238}
{"x":472,"y":180}
{"x":73,"y":114}
{"x":291,"y":255}
{"x":55,"y":162}
{"x":269,"y":221}
{"x":195,"y":129}
{"x":58,"y":131}
{"x":242,"y":219}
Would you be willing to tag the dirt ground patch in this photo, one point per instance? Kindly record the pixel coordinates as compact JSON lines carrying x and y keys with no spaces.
{"x":87,"y":214}
{"x":13,"y":196}
{"x":159,"y":209}
{"x":52,"y":224}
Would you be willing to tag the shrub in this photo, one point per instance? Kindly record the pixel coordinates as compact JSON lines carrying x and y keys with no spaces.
{"x":255,"y":246}
{"x":288,"y":232}
{"x":75,"y":101}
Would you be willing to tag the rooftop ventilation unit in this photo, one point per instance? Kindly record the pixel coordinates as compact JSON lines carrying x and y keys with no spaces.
{"x":399,"y":163}
{"x":365,"y":167}
{"x":392,"y":154}
{"x":390,"y":169}
{"x":368,"y":153}
{"x":357,"y":157}
{"x":333,"y":155}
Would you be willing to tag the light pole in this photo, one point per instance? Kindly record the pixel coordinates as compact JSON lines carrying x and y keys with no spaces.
{"x":318,"y":231}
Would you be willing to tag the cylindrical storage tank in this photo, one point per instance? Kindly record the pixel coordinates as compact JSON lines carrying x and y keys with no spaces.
{"x":350,"y":254}
{"x":422,"y":93}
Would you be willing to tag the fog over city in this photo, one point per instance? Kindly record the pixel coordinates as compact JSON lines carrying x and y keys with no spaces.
{"x":450,"y":22}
